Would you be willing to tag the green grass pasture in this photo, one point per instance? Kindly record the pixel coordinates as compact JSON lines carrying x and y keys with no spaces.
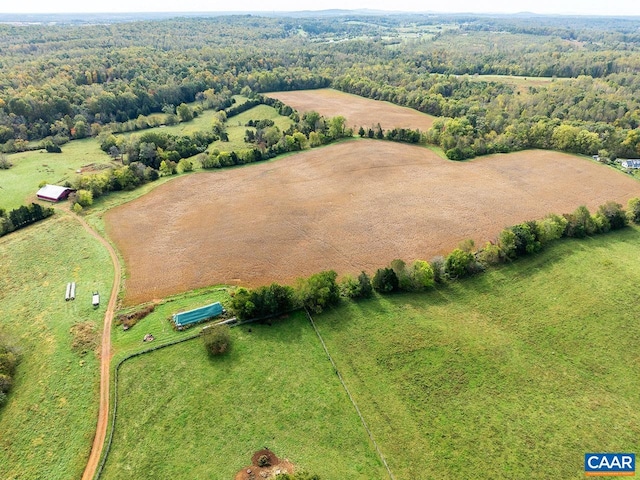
{"x":47,"y":427}
{"x":19,"y":184}
{"x":158,"y":322}
{"x":236,"y":127}
{"x":182,"y":415}
{"x":514,"y":374}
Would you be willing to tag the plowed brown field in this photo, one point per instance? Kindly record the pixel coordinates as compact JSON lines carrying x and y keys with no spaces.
{"x":352,"y":206}
{"x":359,"y":111}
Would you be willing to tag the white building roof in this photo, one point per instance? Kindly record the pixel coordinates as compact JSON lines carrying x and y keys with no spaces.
{"x":52,"y":191}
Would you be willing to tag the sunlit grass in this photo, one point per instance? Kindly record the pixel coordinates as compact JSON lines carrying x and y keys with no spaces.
{"x":513,"y":374}
{"x":183,"y":415}
{"x":47,"y":427}
{"x":19,"y":184}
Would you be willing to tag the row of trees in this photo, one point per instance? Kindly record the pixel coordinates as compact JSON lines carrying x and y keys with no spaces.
{"x":127,"y":177}
{"x":22,"y":216}
{"x":316,"y":293}
{"x":405,"y":135}
{"x":152,"y":147}
{"x":8,"y":363}
{"x":322,"y":290}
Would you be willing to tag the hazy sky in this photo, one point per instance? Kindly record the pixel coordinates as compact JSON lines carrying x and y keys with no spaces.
{"x":585,"y":7}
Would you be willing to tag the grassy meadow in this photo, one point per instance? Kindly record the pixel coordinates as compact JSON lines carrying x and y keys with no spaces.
{"x":184,"y":415}
{"x":513,"y":374}
{"x":519,"y":83}
{"x":236,"y":127}
{"x":47,"y":426}
{"x":19,"y":184}
{"x":158,"y":323}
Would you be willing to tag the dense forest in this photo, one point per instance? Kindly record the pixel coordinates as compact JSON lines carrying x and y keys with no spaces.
{"x":60,"y":82}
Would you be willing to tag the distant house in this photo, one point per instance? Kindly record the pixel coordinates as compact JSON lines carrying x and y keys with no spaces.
{"x":631,"y":163}
{"x":53,"y":193}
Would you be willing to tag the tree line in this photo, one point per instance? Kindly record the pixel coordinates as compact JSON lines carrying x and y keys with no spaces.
{"x":152,"y":154}
{"x":323,"y":290}
{"x":8,"y":362}
{"x":66,"y":82}
{"x":22,"y":216}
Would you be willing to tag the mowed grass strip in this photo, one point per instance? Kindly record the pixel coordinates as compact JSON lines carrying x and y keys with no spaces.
{"x":183,"y":415}
{"x":514,"y":374}
{"x":47,"y":427}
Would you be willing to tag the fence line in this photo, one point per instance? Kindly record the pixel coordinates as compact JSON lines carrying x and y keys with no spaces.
{"x":115,"y":394}
{"x":107,"y":449}
{"x":344,"y":385}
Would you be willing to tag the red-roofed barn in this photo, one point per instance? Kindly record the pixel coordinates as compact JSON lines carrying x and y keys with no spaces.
{"x":53,"y":193}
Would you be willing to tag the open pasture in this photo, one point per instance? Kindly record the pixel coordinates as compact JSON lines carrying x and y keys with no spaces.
{"x":19,"y":184}
{"x":358,"y":111}
{"x":519,"y":83}
{"x":47,"y":427}
{"x":513,"y":374}
{"x":183,"y":415}
{"x":352,"y":206}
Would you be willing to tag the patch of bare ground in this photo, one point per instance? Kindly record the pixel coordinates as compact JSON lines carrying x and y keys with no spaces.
{"x":352,"y":206}
{"x":265,"y":465}
{"x":359,"y":111}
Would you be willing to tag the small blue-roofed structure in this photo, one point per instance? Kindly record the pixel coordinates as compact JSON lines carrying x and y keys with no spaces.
{"x":196,"y":315}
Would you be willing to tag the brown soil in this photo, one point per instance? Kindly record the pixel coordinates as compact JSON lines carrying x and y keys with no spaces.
{"x":359,"y":111}
{"x":276,"y":466}
{"x":352,"y":206}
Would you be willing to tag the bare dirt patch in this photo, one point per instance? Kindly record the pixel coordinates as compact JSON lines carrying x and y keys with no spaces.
{"x":352,"y":206}
{"x":264,"y":465}
{"x":84,"y":337}
{"x":359,"y":111}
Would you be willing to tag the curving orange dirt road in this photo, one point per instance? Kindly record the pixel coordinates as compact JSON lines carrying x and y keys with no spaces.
{"x":105,"y":360}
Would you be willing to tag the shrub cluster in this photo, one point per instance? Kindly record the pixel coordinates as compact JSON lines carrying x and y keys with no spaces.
{"x":404,"y":135}
{"x":128,"y":320}
{"x":268,"y":141}
{"x":8,"y":363}
{"x":299,"y":475}
{"x":262,"y":302}
{"x":217,"y":339}
{"x":22,"y":216}
{"x":5,"y":164}
{"x":316,"y":293}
